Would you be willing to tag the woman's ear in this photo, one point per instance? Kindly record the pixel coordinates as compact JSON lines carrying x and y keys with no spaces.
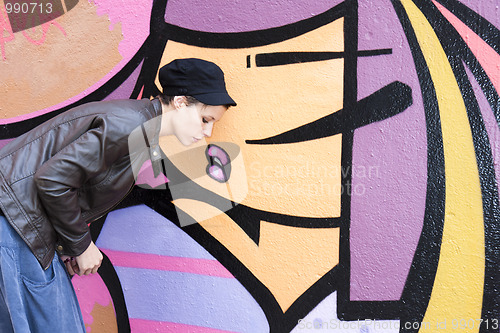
{"x":179,"y":102}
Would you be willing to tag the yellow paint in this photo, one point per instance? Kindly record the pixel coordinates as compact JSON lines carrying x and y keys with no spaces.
{"x":458,"y":288}
{"x":34,"y":77}
{"x":287,"y":261}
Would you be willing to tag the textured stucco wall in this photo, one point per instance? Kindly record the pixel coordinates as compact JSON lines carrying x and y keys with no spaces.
{"x":364,"y":154}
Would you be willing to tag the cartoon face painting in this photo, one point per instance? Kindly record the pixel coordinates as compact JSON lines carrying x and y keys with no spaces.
{"x":293,"y":180}
{"x":356,"y":178}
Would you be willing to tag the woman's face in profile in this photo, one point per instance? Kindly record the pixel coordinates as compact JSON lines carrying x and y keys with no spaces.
{"x":196,"y":121}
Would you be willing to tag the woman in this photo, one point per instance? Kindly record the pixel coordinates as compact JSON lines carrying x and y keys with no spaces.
{"x":69,"y":171}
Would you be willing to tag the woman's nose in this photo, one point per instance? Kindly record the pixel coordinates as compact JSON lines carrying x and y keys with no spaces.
{"x":207,"y":131}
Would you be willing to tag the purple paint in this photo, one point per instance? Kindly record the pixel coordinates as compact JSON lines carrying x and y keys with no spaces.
{"x":125,"y":89}
{"x":389,"y":165}
{"x":241,"y":15}
{"x":490,"y":122}
{"x":488,"y":9}
{"x":153,"y":234}
{"x":190,"y":299}
{"x":185,"y":298}
{"x":4,"y":142}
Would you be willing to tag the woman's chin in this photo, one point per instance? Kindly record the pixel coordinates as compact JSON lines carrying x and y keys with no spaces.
{"x":187,"y":142}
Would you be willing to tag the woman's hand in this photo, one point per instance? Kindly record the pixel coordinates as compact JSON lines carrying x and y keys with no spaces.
{"x":86,"y":263}
{"x":69,"y":262}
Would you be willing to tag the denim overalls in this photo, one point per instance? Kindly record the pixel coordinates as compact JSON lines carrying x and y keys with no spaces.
{"x":33,"y":299}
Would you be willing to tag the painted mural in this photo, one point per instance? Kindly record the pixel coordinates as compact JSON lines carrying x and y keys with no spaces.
{"x":359,"y":179}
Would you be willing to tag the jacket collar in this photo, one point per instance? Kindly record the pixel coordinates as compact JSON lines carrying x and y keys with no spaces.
{"x":151,"y":131}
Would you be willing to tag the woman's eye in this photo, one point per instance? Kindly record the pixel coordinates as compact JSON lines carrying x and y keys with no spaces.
{"x":205,"y":120}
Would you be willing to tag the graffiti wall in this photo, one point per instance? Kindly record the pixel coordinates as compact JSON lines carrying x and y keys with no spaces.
{"x":362,"y":162}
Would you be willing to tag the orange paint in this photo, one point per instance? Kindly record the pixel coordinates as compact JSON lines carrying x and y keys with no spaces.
{"x":104,"y":319}
{"x":58,"y":60}
{"x":288,"y":260}
{"x":299,"y":179}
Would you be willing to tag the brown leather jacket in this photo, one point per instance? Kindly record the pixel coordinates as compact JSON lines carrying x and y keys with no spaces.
{"x":69,"y":171}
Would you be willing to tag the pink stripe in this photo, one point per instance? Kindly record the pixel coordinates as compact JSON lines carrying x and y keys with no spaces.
{"x":146,"y":176}
{"x":487,"y":57}
{"x":142,"y":325}
{"x":140,"y":94}
{"x":166,"y":263}
{"x":4,"y":142}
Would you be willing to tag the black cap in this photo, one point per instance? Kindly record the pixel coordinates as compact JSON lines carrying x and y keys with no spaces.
{"x":201,"y":79}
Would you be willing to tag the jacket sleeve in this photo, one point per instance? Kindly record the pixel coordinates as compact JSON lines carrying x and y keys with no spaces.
{"x":59,"y":178}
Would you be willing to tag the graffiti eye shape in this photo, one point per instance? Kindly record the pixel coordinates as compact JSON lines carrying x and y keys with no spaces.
{"x":219,"y":167}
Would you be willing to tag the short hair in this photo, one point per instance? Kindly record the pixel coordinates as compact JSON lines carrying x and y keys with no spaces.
{"x":166,"y":99}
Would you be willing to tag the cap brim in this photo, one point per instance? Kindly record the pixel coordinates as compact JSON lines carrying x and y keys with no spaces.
{"x":215,"y":99}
